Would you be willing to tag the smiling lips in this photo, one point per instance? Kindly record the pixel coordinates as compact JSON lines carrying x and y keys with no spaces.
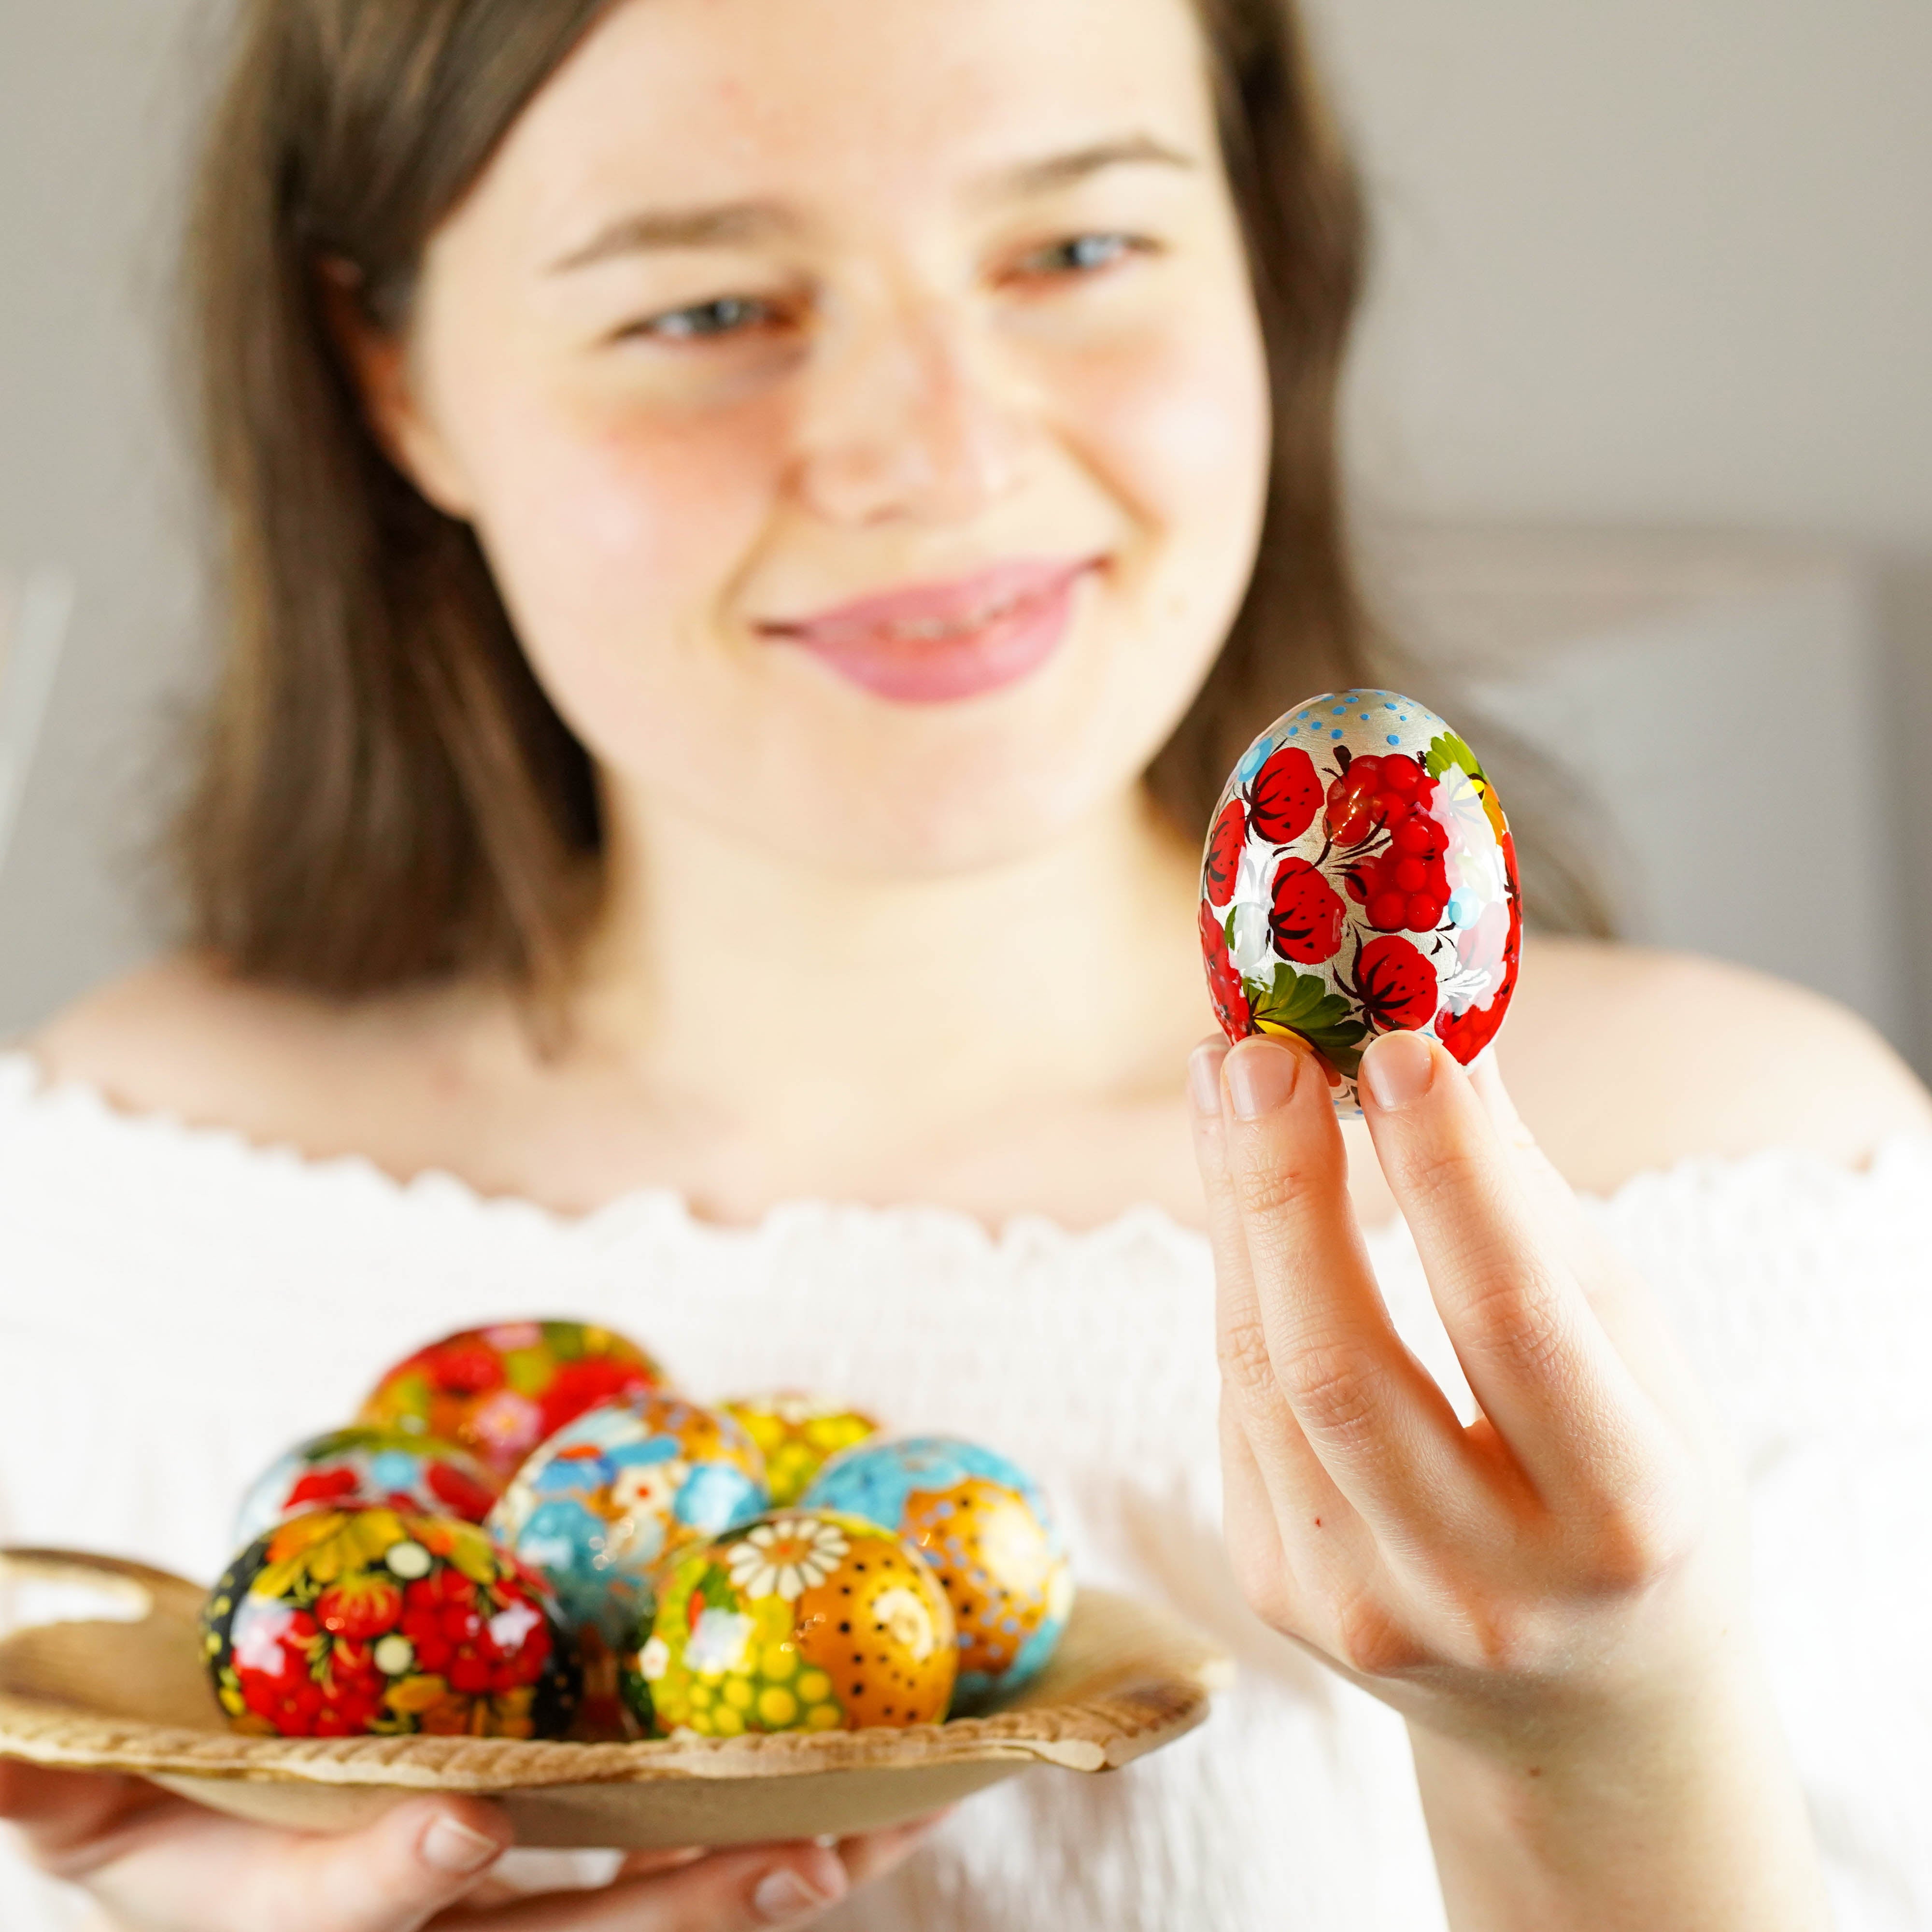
{"x":933,"y":643}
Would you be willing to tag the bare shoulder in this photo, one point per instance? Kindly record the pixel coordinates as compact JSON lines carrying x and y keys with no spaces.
{"x":1623,"y":1060}
{"x":181,"y":1038}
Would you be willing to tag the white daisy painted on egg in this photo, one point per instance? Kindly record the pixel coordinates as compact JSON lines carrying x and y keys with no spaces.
{"x":786,"y":1557}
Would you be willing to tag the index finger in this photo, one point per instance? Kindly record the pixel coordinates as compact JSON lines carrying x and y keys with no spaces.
{"x":1539,"y":1363}
{"x":1381,"y":1428}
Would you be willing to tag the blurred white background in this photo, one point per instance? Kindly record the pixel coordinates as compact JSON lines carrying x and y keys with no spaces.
{"x":1641,"y":421}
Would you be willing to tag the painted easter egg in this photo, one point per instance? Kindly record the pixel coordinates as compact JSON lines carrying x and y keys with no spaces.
{"x":798,"y":1434}
{"x":415,"y":1473}
{"x":498,"y":1392}
{"x":806,"y":1620}
{"x":1360,"y":878}
{"x":338,"y":1623}
{"x":983,"y":1525}
{"x":615,"y":1491}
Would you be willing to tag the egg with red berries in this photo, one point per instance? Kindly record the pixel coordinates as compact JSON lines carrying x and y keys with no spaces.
{"x":373,"y":1621}
{"x":1360,"y":878}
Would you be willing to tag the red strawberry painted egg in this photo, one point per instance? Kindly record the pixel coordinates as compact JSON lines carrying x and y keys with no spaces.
{"x":1360,"y":878}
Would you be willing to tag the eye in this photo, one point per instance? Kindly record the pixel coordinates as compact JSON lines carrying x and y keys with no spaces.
{"x":728,"y":315}
{"x":1083,"y":254}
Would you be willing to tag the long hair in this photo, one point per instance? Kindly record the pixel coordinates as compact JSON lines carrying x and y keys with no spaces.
{"x":382,"y":793}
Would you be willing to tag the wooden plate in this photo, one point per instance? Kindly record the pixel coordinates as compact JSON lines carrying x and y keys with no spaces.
{"x":129,"y":1696}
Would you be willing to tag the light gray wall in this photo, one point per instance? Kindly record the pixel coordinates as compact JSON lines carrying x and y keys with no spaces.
{"x":1664,"y":264}
{"x":1655,"y":263}
{"x":94,"y":98}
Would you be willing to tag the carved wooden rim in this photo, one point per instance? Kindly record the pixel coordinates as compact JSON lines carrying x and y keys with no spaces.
{"x":1164,"y":1686}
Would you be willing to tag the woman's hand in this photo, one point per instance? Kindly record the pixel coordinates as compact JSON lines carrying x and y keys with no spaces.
{"x":160,"y":1863}
{"x":1552,"y":1596}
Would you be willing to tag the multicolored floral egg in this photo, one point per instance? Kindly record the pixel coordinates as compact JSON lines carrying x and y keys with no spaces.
{"x":798,"y":1434}
{"x":617,"y":1490}
{"x":498,"y":1392}
{"x":806,"y":1620}
{"x":1360,"y":878}
{"x":346,"y":1466}
{"x":985,"y":1528}
{"x":339,"y":1623}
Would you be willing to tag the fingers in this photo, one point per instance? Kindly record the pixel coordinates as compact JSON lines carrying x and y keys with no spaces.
{"x":874,"y":1853}
{"x":1501,"y":1252}
{"x":759,"y":1886}
{"x":164,"y":1863}
{"x":1271,"y":1447}
{"x":393,"y":1876}
{"x":60,"y":1813}
{"x":1384,"y":1433}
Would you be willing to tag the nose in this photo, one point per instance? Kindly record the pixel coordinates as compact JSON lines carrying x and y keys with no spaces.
{"x":904,"y":421}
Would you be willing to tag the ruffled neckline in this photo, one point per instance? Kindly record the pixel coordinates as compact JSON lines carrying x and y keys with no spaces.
{"x":25,"y":1086}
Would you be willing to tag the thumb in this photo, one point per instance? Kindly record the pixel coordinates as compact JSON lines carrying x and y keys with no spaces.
{"x":394,"y":1875}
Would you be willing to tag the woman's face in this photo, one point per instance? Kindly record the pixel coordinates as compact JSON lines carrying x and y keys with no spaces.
{"x":862,"y":408}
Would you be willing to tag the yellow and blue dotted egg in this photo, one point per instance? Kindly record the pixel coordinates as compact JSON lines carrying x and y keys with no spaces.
{"x":986,"y":1528}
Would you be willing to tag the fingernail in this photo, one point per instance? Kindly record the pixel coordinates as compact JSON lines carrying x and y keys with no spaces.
{"x":1398,"y":1068}
{"x":448,"y":1847}
{"x":783,"y":1894}
{"x":1261,"y":1076}
{"x":1204,"y":1078}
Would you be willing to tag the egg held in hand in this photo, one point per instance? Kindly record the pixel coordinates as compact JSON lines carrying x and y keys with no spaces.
{"x":499,"y":1391}
{"x":798,"y":1434}
{"x":340,"y":1623}
{"x":985,"y":1528}
{"x":1360,"y":878}
{"x":350,"y":1466}
{"x":806,"y":1620}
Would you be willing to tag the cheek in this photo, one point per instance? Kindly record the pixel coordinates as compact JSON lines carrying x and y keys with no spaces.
{"x":1179,"y":433}
{"x":1183,"y":433}
{"x":615,"y":537}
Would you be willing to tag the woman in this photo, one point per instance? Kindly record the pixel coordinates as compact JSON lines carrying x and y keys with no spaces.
{"x":755,"y":532}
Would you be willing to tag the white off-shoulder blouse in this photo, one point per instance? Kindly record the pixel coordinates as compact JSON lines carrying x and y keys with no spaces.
{"x":177,"y":1305}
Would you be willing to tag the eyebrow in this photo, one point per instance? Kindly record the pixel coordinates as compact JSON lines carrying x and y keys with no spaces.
{"x":1065,"y":170}
{"x":736,"y":223}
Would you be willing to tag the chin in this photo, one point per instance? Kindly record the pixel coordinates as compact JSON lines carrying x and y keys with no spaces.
{"x":948,"y":821}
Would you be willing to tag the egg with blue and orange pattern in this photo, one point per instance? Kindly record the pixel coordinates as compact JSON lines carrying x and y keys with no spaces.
{"x":348,"y":1466}
{"x":986,"y":1529}
{"x":615,"y":1493}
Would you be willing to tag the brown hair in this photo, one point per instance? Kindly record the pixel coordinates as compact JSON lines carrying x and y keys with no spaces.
{"x":384,"y":792}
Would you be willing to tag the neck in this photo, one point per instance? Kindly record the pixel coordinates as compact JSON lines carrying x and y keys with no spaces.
{"x":779,"y":998}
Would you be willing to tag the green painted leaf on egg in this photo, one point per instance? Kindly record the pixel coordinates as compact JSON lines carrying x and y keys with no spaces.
{"x":1449,"y":750}
{"x":1302,"y":1003}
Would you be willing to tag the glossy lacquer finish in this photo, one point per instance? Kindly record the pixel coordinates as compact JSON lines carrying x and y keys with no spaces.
{"x":350,"y":1466}
{"x":1360,"y":878}
{"x":614,"y":1493}
{"x":806,"y":1620}
{"x":343,"y":1623}
{"x":985,"y":1528}
{"x":499,"y":1391}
